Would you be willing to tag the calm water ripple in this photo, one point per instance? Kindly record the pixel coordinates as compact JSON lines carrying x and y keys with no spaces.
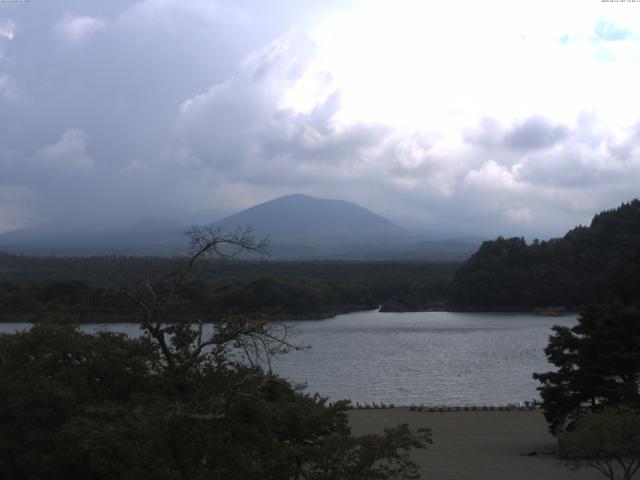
{"x":404,"y":358}
{"x":425,"y":357}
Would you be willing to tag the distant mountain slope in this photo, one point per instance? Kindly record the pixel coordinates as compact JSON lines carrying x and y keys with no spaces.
{"x":588,"y":265}
{"x":149,"y":237}
{"x":301,"y":219}
{"x":298,"y":226}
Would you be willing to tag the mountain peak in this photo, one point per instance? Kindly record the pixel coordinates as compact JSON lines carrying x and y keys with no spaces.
{"x":300,"y":218}
{"x":295,"y":196}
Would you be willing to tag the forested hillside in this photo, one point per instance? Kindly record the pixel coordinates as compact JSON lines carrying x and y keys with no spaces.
{"x":587,"y":265}
{"x":86,"y":288}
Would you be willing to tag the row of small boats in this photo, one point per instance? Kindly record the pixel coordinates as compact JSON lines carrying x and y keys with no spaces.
{"x":520,"y":406}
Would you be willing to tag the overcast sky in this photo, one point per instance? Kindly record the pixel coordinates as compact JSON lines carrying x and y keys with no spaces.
{"x":470,"y":117}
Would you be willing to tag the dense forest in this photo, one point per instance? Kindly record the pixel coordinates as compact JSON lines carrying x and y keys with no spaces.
{"x":588,"y":265}
{"x":86,"y":288}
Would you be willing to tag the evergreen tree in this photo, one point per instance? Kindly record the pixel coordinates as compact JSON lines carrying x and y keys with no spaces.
{"x":598,"y":364}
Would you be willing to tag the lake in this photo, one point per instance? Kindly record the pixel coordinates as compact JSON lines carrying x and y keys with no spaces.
{"x":434,"y":358}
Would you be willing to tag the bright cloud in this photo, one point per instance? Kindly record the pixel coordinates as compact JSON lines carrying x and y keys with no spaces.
{"x":77,"y":28}
{"x":440,"y":65}
{"x":7,"y":29}
{"x":69,"y":153}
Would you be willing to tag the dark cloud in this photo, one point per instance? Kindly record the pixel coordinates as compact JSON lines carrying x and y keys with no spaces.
{"x":535,"y":133}
{"x":592,"y":158}
{"x":488,"y":133}
{"x":571,"y":169}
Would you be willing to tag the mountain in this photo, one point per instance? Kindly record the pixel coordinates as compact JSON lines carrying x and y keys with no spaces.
{"x":298,"y":226}
{"x":301,"y":219}
{"x":149,"y":237}
{"x":590,"y":264}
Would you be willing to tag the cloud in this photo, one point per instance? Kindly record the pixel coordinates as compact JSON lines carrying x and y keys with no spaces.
{"x":535,"y":133}
{"x":169,"y":14}
{"x":7,"y":30}
{"x":438,"y":120}
{"x":487,"y":133}
{"x":69,"y":153}
{"x":136,"y":166}
{"x":491,"y":176}
{"x":610,"y":32}
{"x":268,"y":135}
{"x":501,"y":172}
{"x":14,"y":211}
{"x":8,"y":88}
{"x":522,"y":215}
{"x":78,"y":28}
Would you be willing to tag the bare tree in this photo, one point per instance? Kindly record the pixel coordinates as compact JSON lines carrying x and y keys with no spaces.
{"x":179,"y":333}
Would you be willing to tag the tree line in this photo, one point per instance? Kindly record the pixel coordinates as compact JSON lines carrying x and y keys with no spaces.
{"x":35,"y":288}
{"x":588,"y":265}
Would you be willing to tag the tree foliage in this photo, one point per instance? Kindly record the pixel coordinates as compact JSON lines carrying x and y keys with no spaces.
{"x":608,"y":442}
{"x":33,"y":289}
{"x":177,"y":403}
{"x":598,"y":364}
{"x":588,"y":265}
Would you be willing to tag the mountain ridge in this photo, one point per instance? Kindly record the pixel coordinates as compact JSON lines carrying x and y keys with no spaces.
{"x":299,"y":227}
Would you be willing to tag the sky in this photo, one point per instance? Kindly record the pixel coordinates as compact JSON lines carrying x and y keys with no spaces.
{"x":479,"y":118}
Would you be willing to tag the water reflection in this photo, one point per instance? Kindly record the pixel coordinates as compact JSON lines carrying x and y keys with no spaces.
{"x":403,"y":358}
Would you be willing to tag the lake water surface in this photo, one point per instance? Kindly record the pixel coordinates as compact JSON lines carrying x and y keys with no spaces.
{"x":426,"y":357}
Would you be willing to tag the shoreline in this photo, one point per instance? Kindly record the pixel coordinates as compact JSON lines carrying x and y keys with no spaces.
{"x":542,"y":311}
{"x":115,"y":319}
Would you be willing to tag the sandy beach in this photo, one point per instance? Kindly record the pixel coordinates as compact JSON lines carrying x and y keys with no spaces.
{"x":477,"y":445}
